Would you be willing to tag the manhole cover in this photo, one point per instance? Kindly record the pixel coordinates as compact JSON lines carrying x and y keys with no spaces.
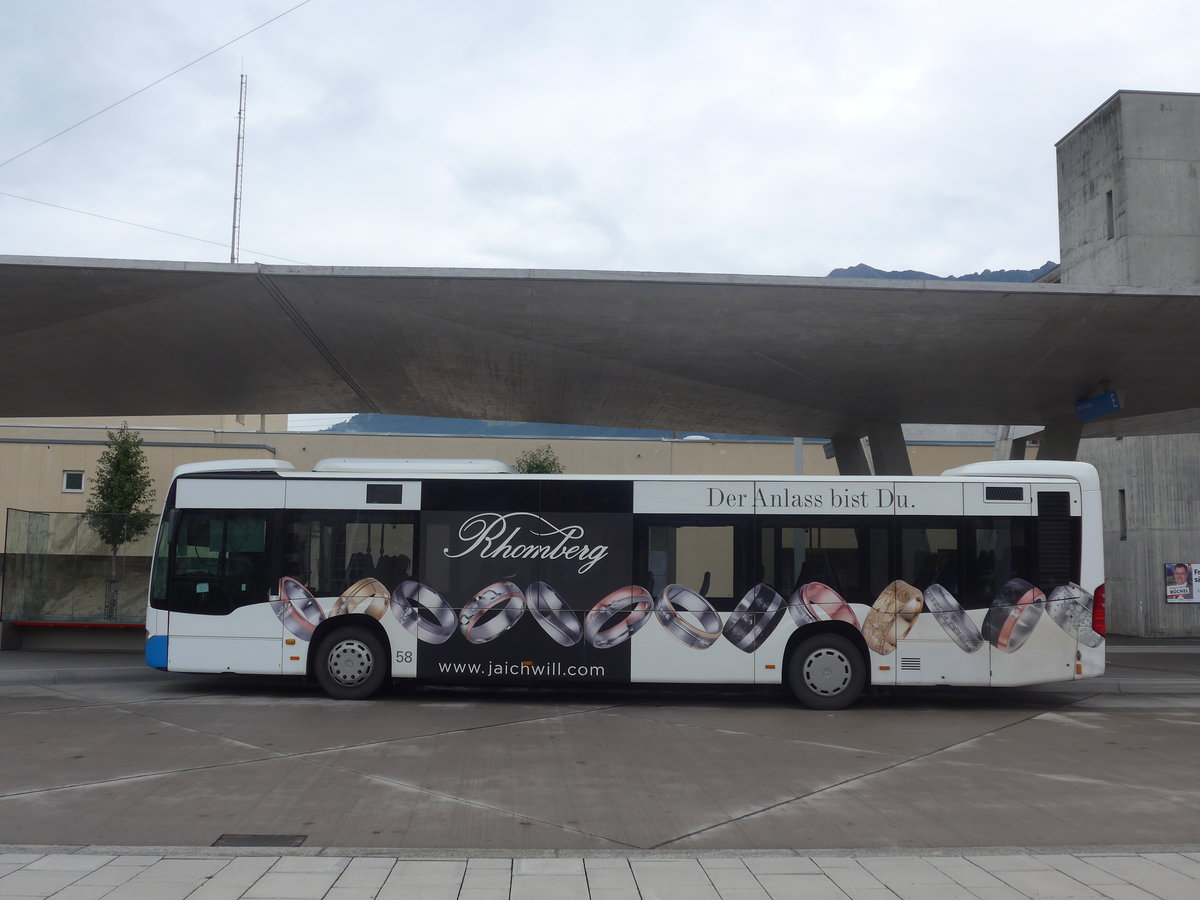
{"x":260,"y":840}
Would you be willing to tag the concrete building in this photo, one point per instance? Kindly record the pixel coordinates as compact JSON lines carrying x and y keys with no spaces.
{"x":1129,"y":214}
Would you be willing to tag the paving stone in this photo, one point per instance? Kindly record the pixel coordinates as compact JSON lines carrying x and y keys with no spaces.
{"x":1082,"y":871}
{"x":19,"y":859}
{"x":880,"y":893}
{"x":549,"y":887}
{"x":432,"y":879}
{"x":183,"y":870}
{"x":314,"y":864}
{"x":486,"y":879}
{"x":235,"y":879}
{"x":609,"y":875}
{"x":134,"y":860}
{"x":490,"y":863}
{"x":479,"y":894}
{"x":722,"y":862}
{"x":111,"y":875}
{"x":669,"y":872}
{"x":963,"y":871}
{"x":999,"y":892}
{"x":1124,"y":892}
{"x":1016,"y":863}
{"x":913,"y":891}
{"x":1152,"y":877}
{"x":1177,"y":862}
{"x":28,"y":883}
{"x":432,"y":892}
{"x":1049,"y":884}
{"x":84,"y":892}
{"x":630,"y":893}
{"x":337,"y":893}
{"x":428,"y":871}
{"x":800,"y":887}
{"x":550,"y":866}
{"x":756,"y":893}
{"x":905,"y":870}
{"x":781,"y":865}
{"x":68,"y":862}
{"x":727,"y":880}
{"x":366,"y":873}
{"x":853,"y":878}
{"x":291,"y":886}
{"x":677,"y":892}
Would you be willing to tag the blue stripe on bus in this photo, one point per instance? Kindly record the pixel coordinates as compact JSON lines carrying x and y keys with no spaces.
{"x":156,"y":651}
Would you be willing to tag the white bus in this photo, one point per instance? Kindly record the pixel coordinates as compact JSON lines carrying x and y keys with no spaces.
{"x":362,"y":571}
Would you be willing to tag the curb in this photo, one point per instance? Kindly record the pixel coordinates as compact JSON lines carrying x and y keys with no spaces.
{"x":74,"y":676}
{"x":458,"y":853}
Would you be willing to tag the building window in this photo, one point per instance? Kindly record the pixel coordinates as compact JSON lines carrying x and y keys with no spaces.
{"x":1111,"y":218}
{"x":72,"y":482}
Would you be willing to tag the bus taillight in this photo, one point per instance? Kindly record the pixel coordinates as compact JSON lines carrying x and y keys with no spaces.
{"x":1098,"y":623}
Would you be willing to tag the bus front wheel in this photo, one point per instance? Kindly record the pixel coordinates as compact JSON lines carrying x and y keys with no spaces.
{"x":350,"y":664}
{"x":826,"y":672}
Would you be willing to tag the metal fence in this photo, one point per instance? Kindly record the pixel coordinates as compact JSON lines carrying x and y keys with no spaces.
{"x":56,"y":569}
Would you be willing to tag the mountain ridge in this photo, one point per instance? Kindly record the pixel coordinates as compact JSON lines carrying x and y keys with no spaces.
{"x":862,"y":270}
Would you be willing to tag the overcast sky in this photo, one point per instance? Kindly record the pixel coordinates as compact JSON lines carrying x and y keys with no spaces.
{"x":755,"y":136}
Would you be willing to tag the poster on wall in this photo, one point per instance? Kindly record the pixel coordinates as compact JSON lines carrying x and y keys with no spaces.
{"x":1183,"y":582}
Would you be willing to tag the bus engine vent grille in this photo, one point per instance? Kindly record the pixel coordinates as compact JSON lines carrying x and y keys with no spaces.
{"x":910,"y":664}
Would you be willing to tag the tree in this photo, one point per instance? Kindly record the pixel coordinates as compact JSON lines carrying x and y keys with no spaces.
{"x":539,"y":461}
{"x":119,"y":508}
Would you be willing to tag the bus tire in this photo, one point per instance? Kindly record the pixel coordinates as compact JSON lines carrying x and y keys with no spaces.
{"x":350,"y":663}
{"x":826,"y":671}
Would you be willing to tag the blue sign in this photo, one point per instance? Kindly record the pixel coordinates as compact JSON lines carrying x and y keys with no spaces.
{"x":1095,"y":407}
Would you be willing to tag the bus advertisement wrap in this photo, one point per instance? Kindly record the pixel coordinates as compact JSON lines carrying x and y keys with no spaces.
{"x":825,"y":586}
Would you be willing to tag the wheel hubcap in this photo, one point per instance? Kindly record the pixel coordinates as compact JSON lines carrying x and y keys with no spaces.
{"x":827,"y":672}
{"x":350,"y":663}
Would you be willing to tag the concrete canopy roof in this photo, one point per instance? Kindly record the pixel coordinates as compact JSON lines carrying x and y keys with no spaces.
{"x":809,"y":357}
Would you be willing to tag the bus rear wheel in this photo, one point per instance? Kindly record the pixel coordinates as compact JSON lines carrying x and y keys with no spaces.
{"x":350,"y":663}
{"x":826,"y":672}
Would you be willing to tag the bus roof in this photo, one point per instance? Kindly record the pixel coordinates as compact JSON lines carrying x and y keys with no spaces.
{"x":1084,"y":473}
{"x":348,"y":467}
{"x":368,"y":466}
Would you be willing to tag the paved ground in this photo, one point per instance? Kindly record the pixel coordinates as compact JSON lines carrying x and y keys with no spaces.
{"x":116,"y":781}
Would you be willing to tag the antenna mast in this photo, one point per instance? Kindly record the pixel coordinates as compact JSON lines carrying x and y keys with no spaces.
{"x":235,"y":244}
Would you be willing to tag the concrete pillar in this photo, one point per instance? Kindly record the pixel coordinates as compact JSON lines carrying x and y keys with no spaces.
{"x":1017,"y":447}
{"x":1003,"y":446}
{"x":851,"y":457}
{"x":1060,"y":441}
{"x":889,"y":453}
{"x":9,"y":638}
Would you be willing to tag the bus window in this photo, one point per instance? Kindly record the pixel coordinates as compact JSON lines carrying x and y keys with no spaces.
{"x":852,"y":561}
{"x":929,"y":554}
{"x":997,"y":551}
{"x":161,"y":567}
{"x":220,"y":561}
{"x":700,"y":557}
{"x":327,"y":551}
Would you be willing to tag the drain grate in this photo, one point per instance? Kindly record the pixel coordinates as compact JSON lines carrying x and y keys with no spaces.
{"x":260,"y":840}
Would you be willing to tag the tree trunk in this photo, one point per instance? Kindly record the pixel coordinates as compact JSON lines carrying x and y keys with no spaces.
{"x":110,"y":589}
